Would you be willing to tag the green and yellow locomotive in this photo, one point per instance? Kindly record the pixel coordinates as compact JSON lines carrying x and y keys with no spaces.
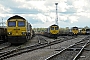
{"x":18,"y":30}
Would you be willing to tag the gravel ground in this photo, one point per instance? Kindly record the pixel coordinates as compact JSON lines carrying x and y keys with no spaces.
{"x":32,"y":41}
{"x":86,"y":54}
{"x":42,"y":54}
{"x":68,"y":55}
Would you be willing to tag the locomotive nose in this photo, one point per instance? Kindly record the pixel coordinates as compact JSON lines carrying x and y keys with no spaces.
{"x":16,"y":31}
{"x":54,"y":32}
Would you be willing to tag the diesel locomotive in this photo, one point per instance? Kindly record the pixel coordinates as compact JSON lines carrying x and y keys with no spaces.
{"x":52,"y":31}
{"x":83,"y":31}
{"x":74,"y":30}
{"x":19,"y":30}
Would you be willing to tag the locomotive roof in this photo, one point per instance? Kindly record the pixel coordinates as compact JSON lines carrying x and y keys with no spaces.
{"x":87,"y":29}
{"x":16,"y":17}
{"x":74,"y":27}
{"x":54,"y":25}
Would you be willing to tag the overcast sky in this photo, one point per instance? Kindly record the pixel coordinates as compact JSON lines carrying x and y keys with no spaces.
{"x":42,"y":13}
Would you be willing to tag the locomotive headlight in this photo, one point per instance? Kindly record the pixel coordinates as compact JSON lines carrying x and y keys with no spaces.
{"x":9,"y":33}
{"x":23,"y":33}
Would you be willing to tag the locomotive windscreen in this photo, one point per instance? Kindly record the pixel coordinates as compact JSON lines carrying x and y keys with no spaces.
{"x":11,"y":23}
{"x":52,"y":28}
{"x":21,"y":23}
{"x":56,"y":28}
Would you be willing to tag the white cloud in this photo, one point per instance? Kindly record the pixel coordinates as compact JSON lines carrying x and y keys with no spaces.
{"x":73,"y":19}
{"x":62,"y":7}
{"x":41,"y":17}
{"x":79,"y":5}
{"x":20,"y":1}
{"x":63,"y":17}
{"x":45,"y":18}
{"x":39,"y":5}
{"x":46,"y":10}
{"x":44,"y":25}
{"x":82,"y":7}
{"x":4,"y":9}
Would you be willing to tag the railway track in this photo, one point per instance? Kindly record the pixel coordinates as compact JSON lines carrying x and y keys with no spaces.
{"x":71,"y":52}
{"x":85,"y":54}
{"x":19,"y":50}
{"x":4,"y":45}
{"x":41,"y":39}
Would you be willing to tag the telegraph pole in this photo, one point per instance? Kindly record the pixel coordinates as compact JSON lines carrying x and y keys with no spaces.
{"x":56,"y":14}
{"x":2,"y":22}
